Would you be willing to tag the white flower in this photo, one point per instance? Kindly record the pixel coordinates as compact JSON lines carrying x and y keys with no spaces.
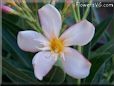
{"x":50,"y":45}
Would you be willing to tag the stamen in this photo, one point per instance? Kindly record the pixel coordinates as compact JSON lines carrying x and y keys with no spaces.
{"x":44,"y":48}
{"x":42,"y":41}
{"x":63,"y":56}
{"x":56,"y":45}
{"x":55,"y":55}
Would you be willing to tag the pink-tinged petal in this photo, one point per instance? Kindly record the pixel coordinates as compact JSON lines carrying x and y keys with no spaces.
{"x":75,"y":64}
{"x":42,"y":63}
{"x":30,"y":40}
{"x":79,"y":34}
{"x":50,"y":20}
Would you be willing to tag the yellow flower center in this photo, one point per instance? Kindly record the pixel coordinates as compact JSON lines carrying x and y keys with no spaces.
{"x":56,"y":45}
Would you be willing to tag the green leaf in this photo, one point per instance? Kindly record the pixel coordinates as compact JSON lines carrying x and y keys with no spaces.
{"x":106,"y":47}
{"x":60,"y":5}
{"x":17,"y":66}
{"x":70,"y":81}
{"x":10,"y":17}
{"x":11,"y":41}
{"x":11,"y":26}
{"x":112,"y":32}
{"x":20,"y":75}
{"x":69,"y":21}
{"x":100,"y":29}
{"x":14,"y":79}
{"x":55,"y":76}
{"x":97,"y":63}
{"x":107,"y":36}
{"x":86,"y":50}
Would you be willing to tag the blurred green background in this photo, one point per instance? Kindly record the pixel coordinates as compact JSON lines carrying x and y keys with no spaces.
{"x":17,"y":66}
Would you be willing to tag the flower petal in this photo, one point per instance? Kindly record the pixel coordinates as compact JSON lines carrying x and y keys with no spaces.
{"x":75,"y":64}
{"x":42,"y":63}
{"x":50,"y":19}
{"x":27,"y":40}
{"x":79,"y":34}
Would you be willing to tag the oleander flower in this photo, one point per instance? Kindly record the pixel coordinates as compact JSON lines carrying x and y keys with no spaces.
{"x":51,"y":45}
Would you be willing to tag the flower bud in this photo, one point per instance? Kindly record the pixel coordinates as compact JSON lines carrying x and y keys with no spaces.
{"x":7,"y":9}
{"x":54,"y":2}
{"x":11,"y":2}
{"x":68,"y":2}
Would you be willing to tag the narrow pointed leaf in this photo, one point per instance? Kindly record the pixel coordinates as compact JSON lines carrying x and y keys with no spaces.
{"x":15,"y":72}
{"x":11,"y":41}
{"x":97,"y":63}
{"x":100,"y":29}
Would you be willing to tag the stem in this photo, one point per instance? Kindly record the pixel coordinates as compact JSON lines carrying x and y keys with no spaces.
{"x":63,"y":13}
{"x":35,"y":26}
{"x":79,"y":81}
{"x":26,"y":17}
{"x":8,"y":56}
{"x":87,"y":10}
{"x":74,"y":12}
{"x":77,"y":18}
{"x":24,"y":4}
{"x":27,"y":14}
{"x":109,"y":75}
{"x":80,"y":50}
{"x":66,"y":6}
{"x":79,"y":47}
{"x":32,"y":25}
{"x":78,"y":11}
{"x":53,"y":2}
{"x":113,"y":61}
